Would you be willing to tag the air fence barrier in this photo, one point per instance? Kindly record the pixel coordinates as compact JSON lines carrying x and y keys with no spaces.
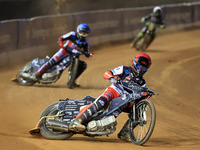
{"x":24,"y":39}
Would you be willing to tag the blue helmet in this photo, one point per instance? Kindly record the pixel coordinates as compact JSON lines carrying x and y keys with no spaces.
{"x":83,"y":30}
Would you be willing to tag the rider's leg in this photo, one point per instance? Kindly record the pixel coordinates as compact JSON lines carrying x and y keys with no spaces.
{"x":56,"y":57}
{"x":81,"y":68}
{"x":86,"y":113}
{"x":138,"y":37}
{"x":124,"y":133}
{"x":142,"y":32}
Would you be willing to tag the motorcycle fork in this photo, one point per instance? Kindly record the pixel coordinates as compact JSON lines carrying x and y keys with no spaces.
{"x":71,"y":64}
{"x":132,"y":115}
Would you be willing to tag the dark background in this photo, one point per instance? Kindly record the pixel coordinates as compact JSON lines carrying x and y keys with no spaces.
{"x":18,"y":9}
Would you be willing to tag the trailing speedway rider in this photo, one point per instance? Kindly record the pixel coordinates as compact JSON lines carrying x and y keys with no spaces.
{"x":155,"y":17}
{"x":74,"y":42}
{"x":140,"y":64}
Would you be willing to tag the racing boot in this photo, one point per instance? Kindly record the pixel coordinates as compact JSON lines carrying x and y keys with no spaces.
{"x":33,"y":77}
{"x":75,"y":125}
{"x":124,"y":133}
{"x":38,"y":74}
{"x":86,"y":113}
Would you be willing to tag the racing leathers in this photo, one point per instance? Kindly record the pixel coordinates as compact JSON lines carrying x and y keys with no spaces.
{"x":113,"y":91}
{"x":73,"y":45}
{"x":157,"y":19}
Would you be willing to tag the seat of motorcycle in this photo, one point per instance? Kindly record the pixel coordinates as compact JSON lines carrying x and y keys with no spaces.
{"x":87,"y":97}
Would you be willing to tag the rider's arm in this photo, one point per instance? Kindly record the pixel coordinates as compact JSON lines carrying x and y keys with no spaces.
{"x":107,"y":75}
{"x":163,"y":25}
{"x":65,"y":37}
{"x":112,"y":73}
{"x":86,"y":49}
{"x":146,"y":18}
{"x":86,"y":46}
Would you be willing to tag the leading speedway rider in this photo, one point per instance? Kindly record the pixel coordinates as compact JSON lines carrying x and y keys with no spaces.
{"x":140,"y":64}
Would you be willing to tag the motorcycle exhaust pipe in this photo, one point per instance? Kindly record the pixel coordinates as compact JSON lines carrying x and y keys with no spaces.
{"x":57,"y":125}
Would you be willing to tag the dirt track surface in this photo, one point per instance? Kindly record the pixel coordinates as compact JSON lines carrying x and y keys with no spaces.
{"x":174,"y":74}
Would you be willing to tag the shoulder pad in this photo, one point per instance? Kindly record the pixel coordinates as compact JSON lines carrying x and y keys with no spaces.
{"x":117,"y":71}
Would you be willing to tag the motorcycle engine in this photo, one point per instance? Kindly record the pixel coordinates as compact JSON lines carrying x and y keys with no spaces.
{"x":102,"y":124}
{"x":51,"y":75}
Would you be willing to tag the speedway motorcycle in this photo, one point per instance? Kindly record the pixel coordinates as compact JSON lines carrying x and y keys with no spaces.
{"x":55,"y":119}
{"x":52,"y":74}
{"x":143,"y":42}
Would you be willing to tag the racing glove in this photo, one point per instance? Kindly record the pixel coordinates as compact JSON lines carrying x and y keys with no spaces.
{"x":60,"y":42}
{"x":143,"y":20}
{"x":162,"y":26}
{"x":89,"y":54}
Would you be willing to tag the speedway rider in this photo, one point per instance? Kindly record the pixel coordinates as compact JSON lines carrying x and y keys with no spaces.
{"x":155,"y":17}
{"x":140,"y":64}
{"x":74,"y":42}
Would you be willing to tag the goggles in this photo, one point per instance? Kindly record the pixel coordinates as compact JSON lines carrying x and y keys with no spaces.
{"x":140,"y":67}
{"x":83,"y":34}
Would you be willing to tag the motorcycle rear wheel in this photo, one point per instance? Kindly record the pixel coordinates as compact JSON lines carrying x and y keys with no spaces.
{"x":50,"y":133}
{"x":26,"y":69}
{"x":72,"y":73}
{"x":141,"y":130}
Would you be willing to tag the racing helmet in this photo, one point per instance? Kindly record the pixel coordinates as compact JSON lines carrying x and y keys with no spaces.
{"x":83,"y":30}
{"x":140,"y":64}
{"x":157,"y":11}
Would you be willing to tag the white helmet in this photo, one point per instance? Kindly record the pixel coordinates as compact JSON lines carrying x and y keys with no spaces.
{"x":157,"y":10}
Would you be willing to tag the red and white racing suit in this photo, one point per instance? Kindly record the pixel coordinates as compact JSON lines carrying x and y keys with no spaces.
{"x":113,"y":91}
{"x":72,"y":42}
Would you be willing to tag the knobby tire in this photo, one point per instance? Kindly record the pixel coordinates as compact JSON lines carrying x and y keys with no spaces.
{"x":138,"y":124}
{"x":50,"y":133}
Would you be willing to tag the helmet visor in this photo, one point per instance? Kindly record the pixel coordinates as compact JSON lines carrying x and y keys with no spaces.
{"x":83,"y":34}
{"x":140,"y":68}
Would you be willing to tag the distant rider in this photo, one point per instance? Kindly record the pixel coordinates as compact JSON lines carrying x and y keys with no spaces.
{"x":74,"y":42}
{"x":155,"y":17}
{"x":140,"y":64}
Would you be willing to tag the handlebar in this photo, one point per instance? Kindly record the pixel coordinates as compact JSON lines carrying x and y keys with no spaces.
{"x":78,"y":52}
{"x":152,"y":92}
{"x":135,"y":87}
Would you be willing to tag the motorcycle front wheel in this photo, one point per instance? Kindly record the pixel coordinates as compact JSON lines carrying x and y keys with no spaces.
{"x":48,"y":133}
{"x":141,"y":129}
